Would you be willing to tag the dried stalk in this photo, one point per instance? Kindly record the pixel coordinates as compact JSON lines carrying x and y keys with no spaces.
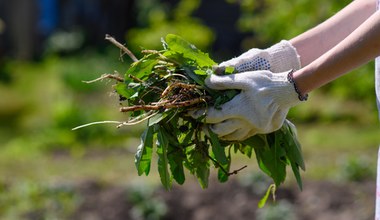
{"x":138,"y":120}
{"x":106,"y":76}
{"x":121,"y":47}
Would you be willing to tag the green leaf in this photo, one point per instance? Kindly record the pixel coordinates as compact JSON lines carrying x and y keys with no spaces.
{"x":179,"y":45}
{"x":200,"y":72}
{"x":271,"y":160}
{"x":257,"y":141}
{"x":229,"y":70}
{"x":186,"y":138}
{"x":175,"y":153}
{"x":246,"y":150}
{"x":143,"y":155}
{"x":220,"y":156}
{"x":180,"y":141}
{"x":142,"y":68}
{"x":123,"y":90}
{"x":293,"y":150}
{"x":229,"y":94}
{"x":217,"y":149}
{"x":199,"y":80}
{"x":155,"y":119}
{"x":199,"y":165}
{"x":271,"y":190}
{"x":222,"y":175}
{"x":176,"y":158}
{"x":226,"y":96}
{"x":163,"y":162}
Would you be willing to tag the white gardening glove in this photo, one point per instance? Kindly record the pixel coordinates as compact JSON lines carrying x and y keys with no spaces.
{"x":278,"y":58}
{"x":260,"y":108}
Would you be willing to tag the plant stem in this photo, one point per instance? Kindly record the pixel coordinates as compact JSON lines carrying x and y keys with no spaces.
{"x":106,"y":76}
{"x":122,"y":47}
{"x":166,"y":106}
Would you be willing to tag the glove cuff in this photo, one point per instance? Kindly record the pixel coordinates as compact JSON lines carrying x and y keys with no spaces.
{"x":284,"y":91}
{"x":284,"y":57}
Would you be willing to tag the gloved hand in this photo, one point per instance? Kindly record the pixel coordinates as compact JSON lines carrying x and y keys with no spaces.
{"x":277,"y":58}
{"x":260,"y":108}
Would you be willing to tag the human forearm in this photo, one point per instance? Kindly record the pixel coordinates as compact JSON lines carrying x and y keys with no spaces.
{"x":317,"y":41}
{"x":361,"y":46}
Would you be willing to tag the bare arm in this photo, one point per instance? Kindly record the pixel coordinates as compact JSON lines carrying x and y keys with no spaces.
{"x":317,"y":41}
{"x":361,"y":46}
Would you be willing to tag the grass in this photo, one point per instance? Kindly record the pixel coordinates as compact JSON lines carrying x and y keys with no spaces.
{"x":326,"y":147}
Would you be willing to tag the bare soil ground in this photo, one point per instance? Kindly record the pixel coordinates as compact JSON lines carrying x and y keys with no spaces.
{"x":319,"y":200}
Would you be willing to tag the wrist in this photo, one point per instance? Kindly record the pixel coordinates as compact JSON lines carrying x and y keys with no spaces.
{"x":301,"y":80}
{"x":302,"y":96}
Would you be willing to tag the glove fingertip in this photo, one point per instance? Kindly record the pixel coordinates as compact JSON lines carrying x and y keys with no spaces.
{"x":218,"y":82}
{"x":219,"y":70}
{"x":197,"y":113}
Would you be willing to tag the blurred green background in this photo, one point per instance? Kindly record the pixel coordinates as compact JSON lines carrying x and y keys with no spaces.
{"x":51,"y":47}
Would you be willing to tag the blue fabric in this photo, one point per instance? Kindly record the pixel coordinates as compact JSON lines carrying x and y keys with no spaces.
{"x":48,"y":19}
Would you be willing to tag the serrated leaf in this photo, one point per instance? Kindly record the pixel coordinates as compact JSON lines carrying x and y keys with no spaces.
{"x":271,"y":161}
{"x":200,"y":166}
{"x":177,"y":147}
{"x":246,"y":150}
{"x":186,"y":138}
{"x":143,"y":155}
{"x":219,"y":153}
{"x":293,"y":151}
{"x":176,"y":158}
{"x":163,"y":161}
{"x":222,"y":175}
{"x":175,"y":153}
{"x":217,"y":149}
{"x":179,"y":45}
{"x":236,"y":147}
